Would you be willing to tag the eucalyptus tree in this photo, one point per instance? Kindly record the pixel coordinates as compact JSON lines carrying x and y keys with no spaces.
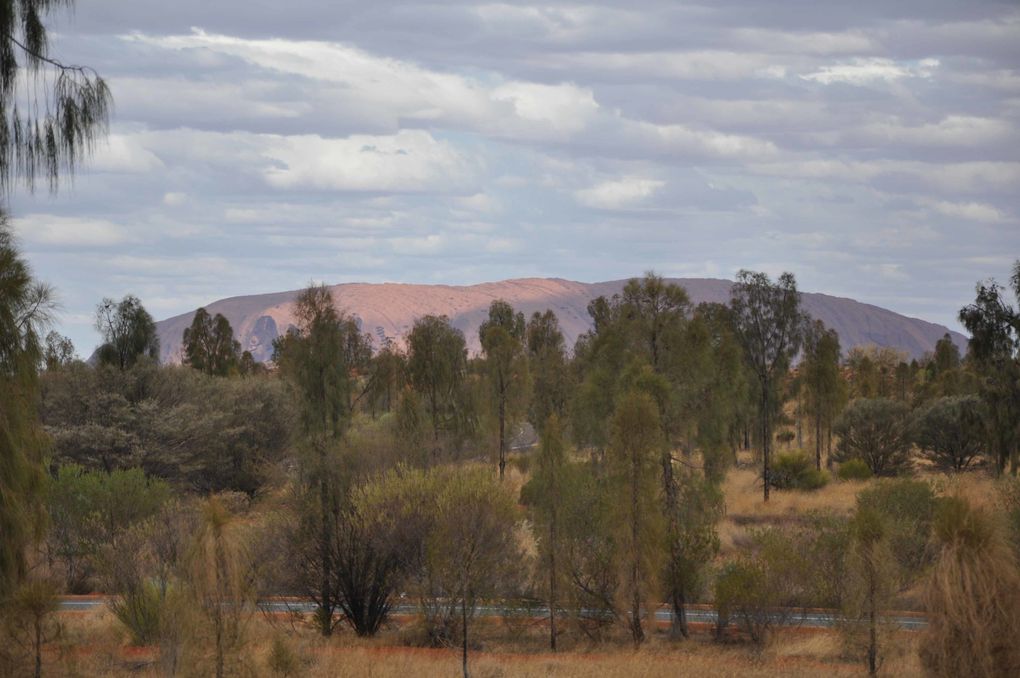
{"x":994,"y":326}
{"x":128,"y":331}
{"x":437,"y":367}
{"x":209,"y":345}
{"x":634,"y":453}
{"x":549,"y":487}
{"x":823,"y":381}
{"x":547,"y":356}
{"x":322,"y":358}
{"x":502,"y":338}
{"x":25,"y":310}
{"x":51,"y":113}
{"x":770,"y":324}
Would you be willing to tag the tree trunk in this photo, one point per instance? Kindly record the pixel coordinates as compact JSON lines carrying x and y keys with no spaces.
{"x":464,"y":634}
{"x":502,"y":433}
{"x":765,"y":437}
{"x":325,"y":613}
{"x":38,"y":646}
{"x":635,"y":624}
{"x":552,"y":581}
{"x":872,"y":617}
{"x":818,"y":442}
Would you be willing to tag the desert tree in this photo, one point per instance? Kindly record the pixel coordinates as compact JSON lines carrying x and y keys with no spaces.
{"x":51,"y":113}
{"x":25,"y":310}
{"x":994,"y":348}
{"x":547,"y":356}
{"x":694,"y":542}
{"x":872,"y":583}
{"x":58,"y":352}
{"x":770,"y":325}
{"x":876,"y":431}
{"x":823,"y":383}
{"x":501,"y":335}
{"x":220,"y":580}
{"x":321,"y":358}
{"x":128,"y":331}
{"x":209,"y":345}
{"x":550,"y":484}
{"x":437,"y":367}
{"x":472,"y":545}
{"x":950,"y":431}
{"x":634,"y":454}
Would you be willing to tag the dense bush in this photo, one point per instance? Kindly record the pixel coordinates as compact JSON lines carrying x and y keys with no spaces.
{"x":89,"y":509}
{"x":876,"y":431}
{"x":908,"y":507}
{"x":951,"y":431}
{"x":205,"y":432}
{"x":854,"y":469}
{"x":796,"y":471}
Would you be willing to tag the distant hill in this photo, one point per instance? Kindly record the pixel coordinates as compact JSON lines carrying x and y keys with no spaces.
{"x":388,"y":310}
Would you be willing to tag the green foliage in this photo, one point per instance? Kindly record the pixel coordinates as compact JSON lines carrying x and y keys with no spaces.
{"x":28,"y":623}
{"x":140,"y":611}
{"x":25,"y":306}
{"x":51,"y":114}
{"x":635,"y":448}
{"x":755,"y":591}
{"x":321,"y":358}
{"x":854,"y":469}
{"x":128,"y":331}
{"x":550,"y":378}
{"x":994,"y":349}
{"x":176,"y":423}
{"x":825,"y":388}
{"x":89,"y":509}
{"x":437,"y":366}
{"x":209,"y":345}
{"x":908,"y":508}
{"x":770,"y":326}
{"x":502,"y":338}
{"x":796,"y":471}
{"x":58,"y":353}
{"x":950,"y":431}
{"x":876,"y":431}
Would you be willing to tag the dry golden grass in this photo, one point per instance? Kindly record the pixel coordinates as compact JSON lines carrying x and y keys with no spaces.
{"x":94,"y":645}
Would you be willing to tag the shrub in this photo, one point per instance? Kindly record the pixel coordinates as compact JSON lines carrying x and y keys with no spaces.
{"x":796,"y":471}
{"x":283,"y":661}
{"x":972,"y":598}
{"x":854,"y":469}
{"x":908,"y":506}
{"x":951,"y":432}
{"x":139,"y":611}
{"x":877,"y":432}
{"x":758,"y":590}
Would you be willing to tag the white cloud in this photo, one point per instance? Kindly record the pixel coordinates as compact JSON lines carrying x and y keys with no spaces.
{"x":411,"y":160}
{"x":174,"y":198}
{"x":122,"y":154}
{"x":865,"y":71}
{"x":619,"y":194}
{"x":58,"y":231}
{"x":970,"y":211}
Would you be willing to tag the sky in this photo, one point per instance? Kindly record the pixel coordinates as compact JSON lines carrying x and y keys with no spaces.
{"x":870,"y":147}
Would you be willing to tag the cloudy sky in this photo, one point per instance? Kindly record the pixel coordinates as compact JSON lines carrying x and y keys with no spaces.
{"x":871,"y":147}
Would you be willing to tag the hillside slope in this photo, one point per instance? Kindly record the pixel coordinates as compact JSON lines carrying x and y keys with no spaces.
{"x":388,"y":310}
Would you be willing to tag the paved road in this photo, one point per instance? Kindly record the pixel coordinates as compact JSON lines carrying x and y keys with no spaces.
{"x":700,"y":614}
